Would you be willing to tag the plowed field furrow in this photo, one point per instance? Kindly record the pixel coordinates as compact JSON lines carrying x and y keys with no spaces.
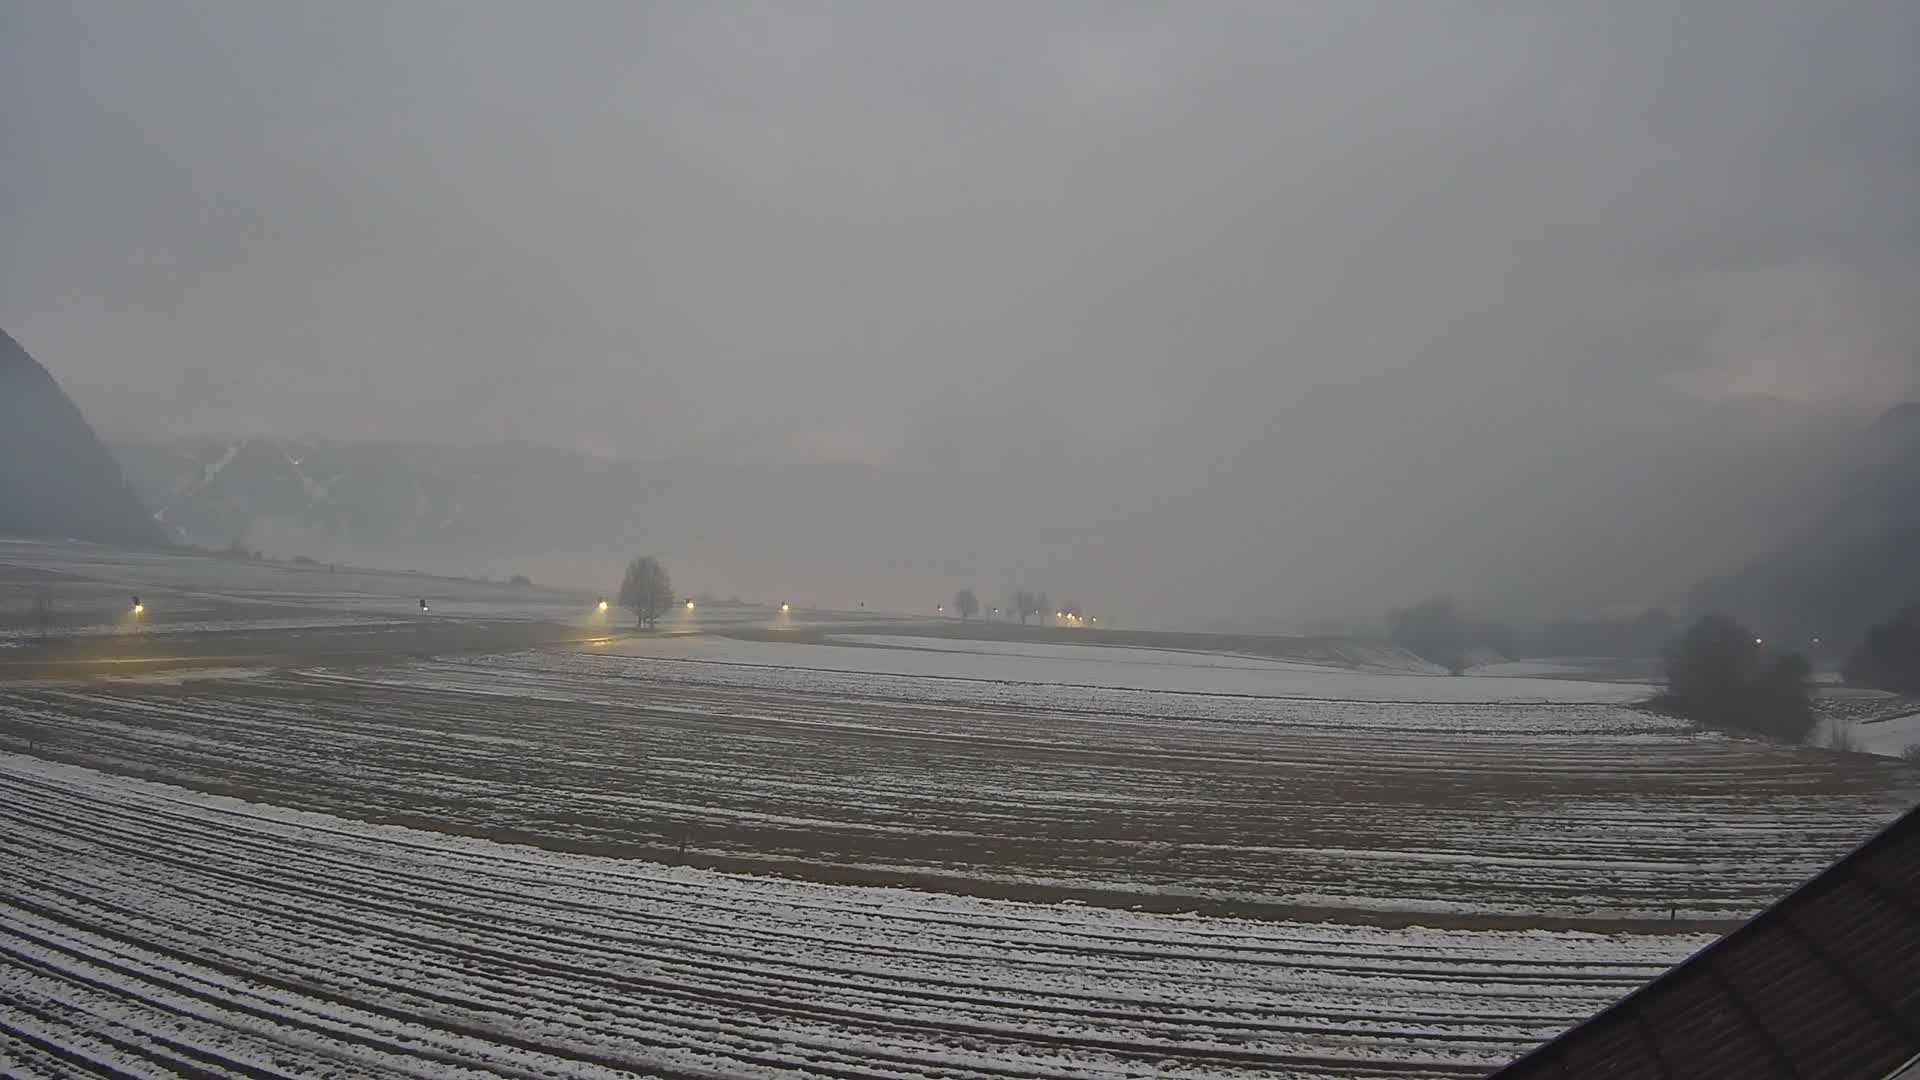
{"x":1505,"y":814}
{"x":479,"y":866}
{"x":502,"y":899}
{"x":951,"y":1004}
{"x":196,"y":932}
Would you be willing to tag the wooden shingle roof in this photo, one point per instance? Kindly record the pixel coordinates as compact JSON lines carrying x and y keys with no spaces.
{"x":1823,"y":984}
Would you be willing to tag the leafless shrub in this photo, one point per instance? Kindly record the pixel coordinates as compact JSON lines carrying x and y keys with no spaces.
{"x":1840,"y":736}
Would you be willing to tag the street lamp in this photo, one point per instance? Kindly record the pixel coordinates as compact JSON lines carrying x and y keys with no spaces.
{"x":602,"y":606}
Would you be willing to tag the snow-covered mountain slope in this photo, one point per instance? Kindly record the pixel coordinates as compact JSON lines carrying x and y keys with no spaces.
{"x":492,"y":499}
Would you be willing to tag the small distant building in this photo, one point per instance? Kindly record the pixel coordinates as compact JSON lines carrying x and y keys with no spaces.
{"x":1823,"y":984}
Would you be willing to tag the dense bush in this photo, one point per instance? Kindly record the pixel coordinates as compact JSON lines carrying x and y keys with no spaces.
{"x":1438,"y":631}
{"x":1433,"y":631}
{"x":1720,"y":675}
{"x":1889,"y":658}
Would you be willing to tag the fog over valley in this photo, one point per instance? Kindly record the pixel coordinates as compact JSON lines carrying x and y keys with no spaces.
{"x":1196,"y":314}
{"x":857,"y":540}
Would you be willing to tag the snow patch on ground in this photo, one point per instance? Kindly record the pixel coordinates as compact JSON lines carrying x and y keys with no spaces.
{"x":1890,"y":736}
{"x":190,"y":675}
{"x":1069,"y":666}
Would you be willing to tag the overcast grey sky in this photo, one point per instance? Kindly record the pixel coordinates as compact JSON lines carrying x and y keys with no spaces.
{"x":1291,"y":275}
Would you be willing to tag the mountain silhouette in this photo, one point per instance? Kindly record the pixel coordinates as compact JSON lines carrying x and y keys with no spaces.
{"x":57,"y":481}
{"x":1853,"y":561}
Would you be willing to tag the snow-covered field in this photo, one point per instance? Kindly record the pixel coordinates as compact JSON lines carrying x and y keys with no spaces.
{"x":1869,"y":721}
{"x":164,"y":931}
{"x":1894,"y":735}
{"x":1518,"y":812}
{"x":1889,"y":735}
{"x":1076,"y":666}
{"x":1094,"y":648}
{"x":818,"y":850}
{"x":188,"y":593}
{"x":179,"y":626}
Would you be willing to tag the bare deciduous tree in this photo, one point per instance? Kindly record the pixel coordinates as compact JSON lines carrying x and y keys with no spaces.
{"x":43,"y":611}
{"x":646,"y":591}
{"x":967,"y":604}
{"x":1433,"y":630}
{"x":1889,"y":658}
{"x":1023,"y":603}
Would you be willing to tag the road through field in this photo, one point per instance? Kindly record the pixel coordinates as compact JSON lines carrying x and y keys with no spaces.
{"x":162,"y":931}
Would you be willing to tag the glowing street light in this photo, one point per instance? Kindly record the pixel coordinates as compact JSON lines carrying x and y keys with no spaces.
{"x":423,"y":604}
{"x":602,"y":606}
{"x":138,"y":607}
{"x":689,"y":605}
{"x":1759,"y":641}
{"x":784,"y":608}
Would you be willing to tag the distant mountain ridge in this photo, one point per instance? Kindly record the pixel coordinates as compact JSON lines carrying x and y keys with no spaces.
{"x":478,"y":501}
{"x":57,"y":481}
{"x":1893,"y":439}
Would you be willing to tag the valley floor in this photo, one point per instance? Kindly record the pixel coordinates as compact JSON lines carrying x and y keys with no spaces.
{"x":811,"y":851}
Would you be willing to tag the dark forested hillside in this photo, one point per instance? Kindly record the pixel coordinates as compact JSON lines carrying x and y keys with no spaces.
{"x":56,"y":479}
